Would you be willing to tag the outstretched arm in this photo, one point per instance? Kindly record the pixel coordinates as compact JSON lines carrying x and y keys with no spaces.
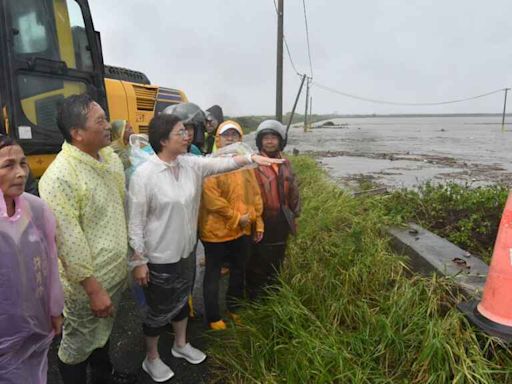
{"x":214,"y":165}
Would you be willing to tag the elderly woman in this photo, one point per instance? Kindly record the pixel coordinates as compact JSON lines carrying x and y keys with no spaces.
{"x":121,"y":131}
{"x":163,"y":205}
{"x":31,"y":298}
{"x":231,"y":208}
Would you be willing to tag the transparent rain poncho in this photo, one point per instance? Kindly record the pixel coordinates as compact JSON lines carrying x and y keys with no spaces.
{"x":30,"y":290}
{"x":228,"y":197}
{"x":163,"y":205}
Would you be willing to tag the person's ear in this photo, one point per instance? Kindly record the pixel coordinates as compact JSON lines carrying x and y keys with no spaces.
{"x":76,"y":135}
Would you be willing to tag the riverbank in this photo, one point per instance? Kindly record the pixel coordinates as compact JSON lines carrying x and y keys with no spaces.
{"x":349,"y":311}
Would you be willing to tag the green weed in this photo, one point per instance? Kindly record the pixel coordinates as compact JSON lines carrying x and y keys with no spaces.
{"x":348,"y":311}
{"x":468,"y":217}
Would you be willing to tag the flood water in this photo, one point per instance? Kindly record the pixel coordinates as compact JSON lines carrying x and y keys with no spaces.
{"x":407,"y":151}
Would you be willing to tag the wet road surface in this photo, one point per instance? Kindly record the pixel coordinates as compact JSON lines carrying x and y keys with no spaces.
{"x":127,"y":342}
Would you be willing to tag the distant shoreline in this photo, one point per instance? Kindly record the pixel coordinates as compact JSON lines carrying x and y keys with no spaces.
{"x":251,"y":122}
{"x":422,"y":115}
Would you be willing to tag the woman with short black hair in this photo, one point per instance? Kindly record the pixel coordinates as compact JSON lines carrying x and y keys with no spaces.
{"x":163,"y":205}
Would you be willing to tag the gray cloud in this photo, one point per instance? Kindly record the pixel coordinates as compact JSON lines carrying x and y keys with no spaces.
{"x":223,"y":51}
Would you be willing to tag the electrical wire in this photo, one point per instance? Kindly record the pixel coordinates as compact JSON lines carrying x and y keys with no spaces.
{"x":346,"y":94}
{"x":307,"y":38}
{"x":367,"y":99}
{"x":287,"y":47}
{"x":377,"y":101}
{"x":290,"y":56}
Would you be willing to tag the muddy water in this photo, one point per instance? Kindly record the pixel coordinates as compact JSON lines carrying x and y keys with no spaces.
{"x":398,"y":152}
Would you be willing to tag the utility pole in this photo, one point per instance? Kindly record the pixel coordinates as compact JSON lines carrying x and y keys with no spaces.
{"x":307,"y":107}
{"x":293,"y":109}
{"x":279,"y":69}
{"x":310,"y":105}
{"x":504,"y":110}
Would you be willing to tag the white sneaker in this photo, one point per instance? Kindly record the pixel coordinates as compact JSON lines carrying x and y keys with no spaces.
{"x":157,"y":369}
{"x":189,"y":353}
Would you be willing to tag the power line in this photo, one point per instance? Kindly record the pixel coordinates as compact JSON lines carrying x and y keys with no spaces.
{"x":367,"y":99}
{"x":307,"y":38}
{"x":377,"y":101}
{"x":290,"y":56}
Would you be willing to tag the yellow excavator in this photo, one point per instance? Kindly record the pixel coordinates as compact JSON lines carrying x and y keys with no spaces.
{"x":50,"y":50}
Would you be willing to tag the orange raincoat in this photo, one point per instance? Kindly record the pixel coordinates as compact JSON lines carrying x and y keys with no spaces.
{"x":225,"y":199}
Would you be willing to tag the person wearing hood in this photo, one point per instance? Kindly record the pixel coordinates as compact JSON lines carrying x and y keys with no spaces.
{"x":31,"y":297}
{"x":194,"y":120}
{"x":230,"y":213}
{"x":121,"y":131}
{"x":281,"y":207}
{"x":214,"y":117}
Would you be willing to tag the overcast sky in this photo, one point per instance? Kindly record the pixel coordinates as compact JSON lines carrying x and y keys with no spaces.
{"x":224,"y":51}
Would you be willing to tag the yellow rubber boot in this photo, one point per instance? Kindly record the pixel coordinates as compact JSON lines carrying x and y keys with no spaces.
{"x":218,"y":325}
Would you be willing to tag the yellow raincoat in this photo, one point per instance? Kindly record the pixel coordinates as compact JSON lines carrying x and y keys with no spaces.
{"x":225,"y":199}
{"x":87,"y":198}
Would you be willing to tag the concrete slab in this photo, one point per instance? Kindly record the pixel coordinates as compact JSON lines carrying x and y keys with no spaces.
{"x":429,"y":253}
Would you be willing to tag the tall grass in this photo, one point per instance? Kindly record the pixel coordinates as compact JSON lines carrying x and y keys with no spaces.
{"x":348,"y":311}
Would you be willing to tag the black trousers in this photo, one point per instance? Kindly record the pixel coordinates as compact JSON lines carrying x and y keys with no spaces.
{"x":263,"y":267}
{"x":101,"y":368}
{"x":235,"y":253}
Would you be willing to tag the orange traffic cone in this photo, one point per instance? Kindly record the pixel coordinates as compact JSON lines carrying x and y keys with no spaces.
{"x":494,"y":313}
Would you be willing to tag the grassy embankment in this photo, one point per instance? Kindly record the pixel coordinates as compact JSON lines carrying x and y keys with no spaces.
{"x":349,"y":311}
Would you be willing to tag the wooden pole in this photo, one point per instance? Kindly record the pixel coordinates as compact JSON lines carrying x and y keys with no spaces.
{"x":293,"y":109}
{"x":279,"y":64}
{"x":310,"y":105}
{"x":307,"y":107}
{"x":504,"y":110}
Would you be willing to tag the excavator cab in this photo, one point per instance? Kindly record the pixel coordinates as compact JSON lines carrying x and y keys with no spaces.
{"x":48,"y":51}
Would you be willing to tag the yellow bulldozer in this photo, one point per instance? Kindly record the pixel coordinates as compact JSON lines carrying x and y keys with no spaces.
{"x":50,"y":50}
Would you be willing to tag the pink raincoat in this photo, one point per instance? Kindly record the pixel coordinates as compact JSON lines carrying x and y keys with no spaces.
{"x":30,"y":290}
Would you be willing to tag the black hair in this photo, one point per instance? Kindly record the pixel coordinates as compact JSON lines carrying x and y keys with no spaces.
{"x":72,"y":113}
{"x":159,"y":129}
{"x":7,"y":141}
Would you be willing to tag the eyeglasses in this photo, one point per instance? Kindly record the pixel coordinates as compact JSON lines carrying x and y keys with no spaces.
{"x":182,"y":132}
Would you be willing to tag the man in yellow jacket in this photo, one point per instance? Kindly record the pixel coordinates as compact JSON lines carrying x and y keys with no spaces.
{"x":84,"y":187}
{"x":230,"y":213}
